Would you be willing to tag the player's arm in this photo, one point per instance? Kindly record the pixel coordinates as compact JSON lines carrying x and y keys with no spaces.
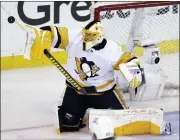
{"x":141,"y":83}
{"x":59,"y":36}
{"x":129,"y":67}
{"x":47,"y":37}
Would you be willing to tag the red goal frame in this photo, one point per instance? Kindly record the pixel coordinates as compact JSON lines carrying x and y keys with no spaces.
{"x":131,"y":5}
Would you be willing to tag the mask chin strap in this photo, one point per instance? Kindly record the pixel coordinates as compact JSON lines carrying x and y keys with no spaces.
{"x":84,"y":46}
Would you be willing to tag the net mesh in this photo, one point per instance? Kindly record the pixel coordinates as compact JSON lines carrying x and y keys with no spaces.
{"x":160,"y":23}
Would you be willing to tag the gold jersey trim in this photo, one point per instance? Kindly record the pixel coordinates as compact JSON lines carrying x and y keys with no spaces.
{"x":103,"y":86}
{"x":120,"y":97}
{"x":124,"y":58}
{"x":60,"y":35}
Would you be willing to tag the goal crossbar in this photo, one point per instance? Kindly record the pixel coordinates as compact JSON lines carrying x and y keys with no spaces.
{"x":131,"y":5}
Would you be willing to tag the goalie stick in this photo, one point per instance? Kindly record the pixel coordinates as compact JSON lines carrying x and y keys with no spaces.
{"x":83,"y":90}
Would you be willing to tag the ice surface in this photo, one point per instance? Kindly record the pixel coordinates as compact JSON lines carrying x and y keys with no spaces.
{"x":29,"y":95}
{"x":49,"y":133}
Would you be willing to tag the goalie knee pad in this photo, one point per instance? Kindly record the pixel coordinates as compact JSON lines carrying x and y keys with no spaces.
{"x":67,"y":122}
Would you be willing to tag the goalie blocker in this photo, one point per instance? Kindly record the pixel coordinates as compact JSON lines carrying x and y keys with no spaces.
{"x":151,"y":86}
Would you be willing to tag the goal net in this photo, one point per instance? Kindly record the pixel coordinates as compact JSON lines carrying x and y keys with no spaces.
{"x":154,"y":21}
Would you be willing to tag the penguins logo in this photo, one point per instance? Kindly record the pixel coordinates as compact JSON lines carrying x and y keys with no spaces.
{"x":86,"y":69}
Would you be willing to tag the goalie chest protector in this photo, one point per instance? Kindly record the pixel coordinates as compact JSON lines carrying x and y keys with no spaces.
{"x":92,"y":67}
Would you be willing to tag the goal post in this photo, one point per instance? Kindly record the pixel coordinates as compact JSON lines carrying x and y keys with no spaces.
{"x":157,"y":21}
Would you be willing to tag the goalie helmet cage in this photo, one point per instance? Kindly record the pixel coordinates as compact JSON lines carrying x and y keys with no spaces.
{"x":161,"y":22}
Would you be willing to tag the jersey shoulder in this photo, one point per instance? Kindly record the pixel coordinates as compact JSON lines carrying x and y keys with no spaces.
{"x":75,"y":35}
{"x":113,"y":50}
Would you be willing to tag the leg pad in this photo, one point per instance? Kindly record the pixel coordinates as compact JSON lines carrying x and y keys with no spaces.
{"x":68,"y":122}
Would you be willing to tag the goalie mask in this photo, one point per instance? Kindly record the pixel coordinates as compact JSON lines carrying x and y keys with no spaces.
{"x":92,"y":34}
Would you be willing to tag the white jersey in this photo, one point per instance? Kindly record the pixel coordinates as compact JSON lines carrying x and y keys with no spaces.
{"x":92,"y":67}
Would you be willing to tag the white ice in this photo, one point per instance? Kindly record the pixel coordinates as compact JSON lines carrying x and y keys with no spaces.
{"x":28,"y":97}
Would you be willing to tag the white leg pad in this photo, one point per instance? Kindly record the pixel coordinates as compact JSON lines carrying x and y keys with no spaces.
{"x":131,"y":121}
